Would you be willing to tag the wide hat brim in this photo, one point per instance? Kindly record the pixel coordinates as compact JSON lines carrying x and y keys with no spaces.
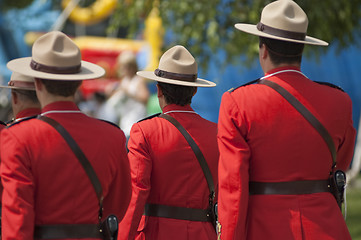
{"x":87,"y":71}
{"x":197,"y":83}
{"x":18,"y":88}
{"x":252,"y":29}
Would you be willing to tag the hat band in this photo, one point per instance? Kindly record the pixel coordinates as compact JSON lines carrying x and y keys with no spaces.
{"x":280,"y":33}
{"x":176,"y":76}
{"x":56,"y":70}
{"x":21,"y":84}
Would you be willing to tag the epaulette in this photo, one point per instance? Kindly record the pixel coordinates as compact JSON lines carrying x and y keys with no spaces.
{"x":330,"y":85}
{"x":249,"y":83}
{"x":2,"y":123}
{"x":9,"y":122}
{"x":20,"y":121}
{"x":149,"y":117}
{"x":109,"y":122}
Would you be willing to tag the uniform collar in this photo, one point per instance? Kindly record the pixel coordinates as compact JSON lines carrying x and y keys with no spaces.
{"x":282,"y":69}
{"x":28,"y":112}
{"x":174,"y":107}
{"x":60,"y":106}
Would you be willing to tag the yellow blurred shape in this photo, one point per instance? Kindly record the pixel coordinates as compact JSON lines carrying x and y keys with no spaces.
{"x":153,"y":34}
{"x":93,"y":14}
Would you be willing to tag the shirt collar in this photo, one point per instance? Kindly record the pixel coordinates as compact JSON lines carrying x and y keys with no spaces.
{"x":60,"y":106}
{"x":174,"y":107}
{"x":282,"y":68}
{"x":28,"y":112}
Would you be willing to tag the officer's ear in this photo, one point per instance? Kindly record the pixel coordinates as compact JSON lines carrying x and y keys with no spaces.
{"x":263,"y":51}
{"x":195,"y":91}
{"x":14,"y":97}
{"x":38,"y":84}
{"x":159,"y":91}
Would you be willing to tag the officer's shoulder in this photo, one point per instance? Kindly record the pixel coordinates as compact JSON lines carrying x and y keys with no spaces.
{"x":149,"y":117}
{"x":243,"y":85}
{"x":110,"y":123}
{"x":21,"y":121}
{"x":330,"y":85}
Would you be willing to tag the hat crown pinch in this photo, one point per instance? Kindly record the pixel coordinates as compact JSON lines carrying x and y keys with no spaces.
{"x":285,"y":15}
{"x":20,"y":77}
{"x":56,"y":49}
{"x":178,"y":60}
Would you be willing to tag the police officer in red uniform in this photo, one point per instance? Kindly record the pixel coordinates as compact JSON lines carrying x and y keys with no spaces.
{"x":167,"y":180}
{"x":24,"y":101}
{"x":47,"y":192}
{"x":271,"y":157}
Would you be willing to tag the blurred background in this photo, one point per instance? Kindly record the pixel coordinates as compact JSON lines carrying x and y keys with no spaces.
{"x":144,"y":29}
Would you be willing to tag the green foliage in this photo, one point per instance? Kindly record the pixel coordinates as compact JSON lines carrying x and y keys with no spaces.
{"x":354,"y":209}
{"x":337,"y":22}
{"x":206,"y":26}
{"x":7,"y":4}
{"x":86,"y":3}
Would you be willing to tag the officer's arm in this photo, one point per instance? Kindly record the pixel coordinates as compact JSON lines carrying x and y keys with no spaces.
{"x":117,"y":201}
{"x":141,"y":167}
{"x":232,"y":172}
{"x":18,"y":194}
{"x":346,"y":149}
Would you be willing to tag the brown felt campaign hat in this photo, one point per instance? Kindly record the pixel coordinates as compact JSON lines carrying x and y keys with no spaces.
{"x":20,"y":82}
{"x":282,"y":20}
{"x":177,"y":66}
{"x":56,"y":57}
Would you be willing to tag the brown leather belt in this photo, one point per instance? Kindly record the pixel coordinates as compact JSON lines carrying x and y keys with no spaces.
{"x":289,"y":188}
{"x":181,"y":213}
{"x":61,"y":231}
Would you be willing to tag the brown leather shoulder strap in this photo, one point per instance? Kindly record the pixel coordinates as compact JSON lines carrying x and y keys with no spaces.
{"x":80,"y":155}
{"x":196,"y":150}
{"x":307,"y":115}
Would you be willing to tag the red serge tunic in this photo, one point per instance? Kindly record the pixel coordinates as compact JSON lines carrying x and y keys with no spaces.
{"x":165,"y":171}
{"x":27,"y":113}
{"x":2,"y":126}
{"x":44,"y":183}
{"x":21,"y":115}
{"x":262,"y":138}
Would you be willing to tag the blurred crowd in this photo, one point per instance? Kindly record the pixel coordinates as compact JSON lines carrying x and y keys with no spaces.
{"x":123,"y":102}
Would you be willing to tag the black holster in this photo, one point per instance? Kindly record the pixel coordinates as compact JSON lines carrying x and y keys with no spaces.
{"x":109,"y":228}
{"x":337,"y":182}
{"x":213,"y":211}
{"x":213,"y":214}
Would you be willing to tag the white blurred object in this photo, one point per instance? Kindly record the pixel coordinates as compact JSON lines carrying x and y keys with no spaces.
{"x":355,"y":168}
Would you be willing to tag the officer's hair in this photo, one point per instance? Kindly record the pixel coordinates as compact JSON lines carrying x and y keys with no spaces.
{"x":26,"y":95}
{"x":61,"y":88}
{"x":282,"y":51}
{"x":176,"y":94}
